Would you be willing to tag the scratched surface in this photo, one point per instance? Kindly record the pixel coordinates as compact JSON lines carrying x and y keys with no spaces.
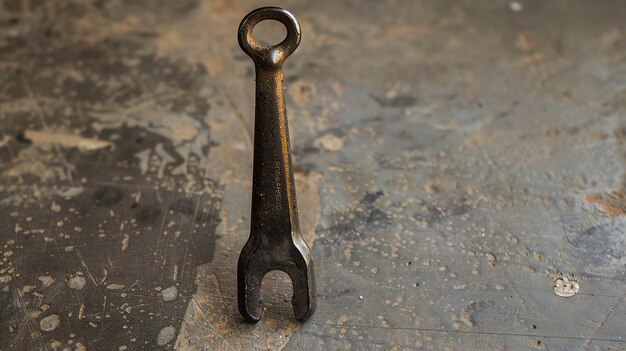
{"x":453,"y":160}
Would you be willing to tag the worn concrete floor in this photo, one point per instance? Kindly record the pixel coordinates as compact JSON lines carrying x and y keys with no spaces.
{"x":454,"y":159}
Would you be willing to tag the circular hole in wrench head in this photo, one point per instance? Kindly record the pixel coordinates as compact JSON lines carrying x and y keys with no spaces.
{"x":269,"y":33}
{"x":272,"y":55}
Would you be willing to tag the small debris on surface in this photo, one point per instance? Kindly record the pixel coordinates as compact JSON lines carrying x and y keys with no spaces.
{"x":166,"y":335}
{"x":460,"y":286}
{"x":516,"y":6}
{"x":330,"y":142}
{"x":50,"y":323}
{"x":125,"y":242}
{"x":77,"y":282}
{"x":566,"y":287}
{"x":114,"y":286}
{"x":169,"y":294}
{"x":46,"y":280}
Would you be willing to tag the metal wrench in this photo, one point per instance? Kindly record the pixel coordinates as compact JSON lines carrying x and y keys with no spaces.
{"x":275,"y":241}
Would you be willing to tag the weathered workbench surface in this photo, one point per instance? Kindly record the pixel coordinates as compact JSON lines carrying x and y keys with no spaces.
{"x":453,"y":160}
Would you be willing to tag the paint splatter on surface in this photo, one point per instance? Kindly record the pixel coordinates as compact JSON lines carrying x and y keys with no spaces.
{"x":566,"y":287}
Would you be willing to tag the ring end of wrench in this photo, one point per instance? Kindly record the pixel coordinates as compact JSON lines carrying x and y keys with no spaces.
{"x":273,"y":55}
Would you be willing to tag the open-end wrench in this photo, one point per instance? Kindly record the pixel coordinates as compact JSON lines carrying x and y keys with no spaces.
{"x":275,"y":241}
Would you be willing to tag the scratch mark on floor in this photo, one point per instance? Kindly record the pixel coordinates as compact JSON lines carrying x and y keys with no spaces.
{"x":602,"y":321}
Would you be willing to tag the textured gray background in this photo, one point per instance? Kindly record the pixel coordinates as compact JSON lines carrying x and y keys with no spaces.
{"x":453,"y":159}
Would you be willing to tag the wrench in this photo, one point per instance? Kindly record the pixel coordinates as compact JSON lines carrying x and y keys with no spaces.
{"x":275,"y":241}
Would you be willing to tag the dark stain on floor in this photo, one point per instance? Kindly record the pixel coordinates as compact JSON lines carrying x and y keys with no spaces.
{"x":93,"y":238}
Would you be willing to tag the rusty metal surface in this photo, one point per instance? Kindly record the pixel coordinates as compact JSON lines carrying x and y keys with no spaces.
{"x":454,"y":162}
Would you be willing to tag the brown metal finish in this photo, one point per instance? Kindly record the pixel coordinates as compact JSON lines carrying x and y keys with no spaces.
{"x":275,"y":241}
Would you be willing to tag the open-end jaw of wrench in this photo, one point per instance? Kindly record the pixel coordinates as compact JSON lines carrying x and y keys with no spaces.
{"x":275,"y":241}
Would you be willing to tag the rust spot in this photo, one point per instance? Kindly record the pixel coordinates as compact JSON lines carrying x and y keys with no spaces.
{"x":613,"y":204}
{"x":523,"y":43}
{"x":304,"y":89}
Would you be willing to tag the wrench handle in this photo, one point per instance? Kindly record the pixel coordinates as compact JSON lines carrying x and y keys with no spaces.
{"x":273,"y":192}
{"x":274,"y":208}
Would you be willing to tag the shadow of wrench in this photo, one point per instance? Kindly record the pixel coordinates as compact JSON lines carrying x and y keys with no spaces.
{"x":275,"y":241}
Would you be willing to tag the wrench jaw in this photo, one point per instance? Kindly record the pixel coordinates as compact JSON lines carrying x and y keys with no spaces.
{"x":304,"y":301}
{"x":255,"y":263}
{"x":249,"y":279}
